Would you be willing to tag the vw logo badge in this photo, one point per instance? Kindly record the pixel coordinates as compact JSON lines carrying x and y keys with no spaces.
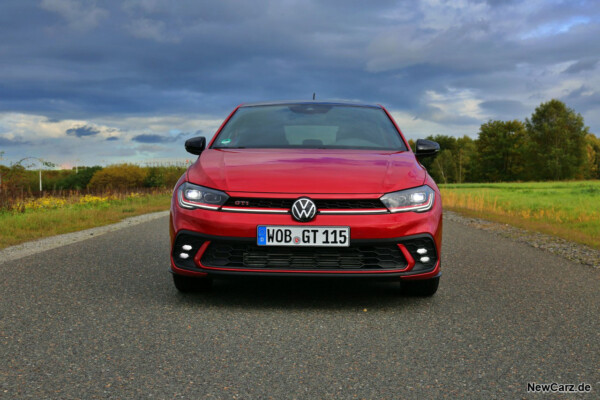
{"x":304,"y":209}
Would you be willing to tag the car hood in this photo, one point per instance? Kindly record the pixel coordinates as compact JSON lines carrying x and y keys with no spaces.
{"x":303,"y":171}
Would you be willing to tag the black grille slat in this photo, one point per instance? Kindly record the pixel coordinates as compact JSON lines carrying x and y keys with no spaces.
{"x":322,"y":204}
{"x":247,"y":255}
{"x":348,"y":204}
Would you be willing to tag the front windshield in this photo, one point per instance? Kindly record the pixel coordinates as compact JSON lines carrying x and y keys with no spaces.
{"x":322,"y":126}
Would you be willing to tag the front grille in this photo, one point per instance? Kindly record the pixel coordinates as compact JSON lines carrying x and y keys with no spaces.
{"x":231,"y":254}
{"x":322,"y":204}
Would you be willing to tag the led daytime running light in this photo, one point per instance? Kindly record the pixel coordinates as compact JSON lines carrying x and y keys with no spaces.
{"x":417,"y":199}
{"x":199,"y":197}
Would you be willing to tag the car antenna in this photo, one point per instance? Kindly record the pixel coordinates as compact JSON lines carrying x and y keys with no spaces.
{"x":314,"y":95}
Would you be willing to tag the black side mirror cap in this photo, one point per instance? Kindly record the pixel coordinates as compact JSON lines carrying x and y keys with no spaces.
{"x":426,"y":148}
{"x":195,"y":145}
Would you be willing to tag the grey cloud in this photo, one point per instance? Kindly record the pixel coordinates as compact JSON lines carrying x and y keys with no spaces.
{"x":582,"y":65}
{"x":504,"y":107}
{"x":76,"y":14}
{"x":145,"y":28}
{"x":148,"y":138}
{"x":432,"y":113}
{"x":152,"y":138}
{"x":584,"y":99}
{"x":112,"y":139}
{"x":6,"y":142}
{"x":82,"y":131}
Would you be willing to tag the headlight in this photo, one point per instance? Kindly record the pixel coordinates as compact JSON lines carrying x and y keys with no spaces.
{"x":193,"y":196}
{"x":416,"y":199}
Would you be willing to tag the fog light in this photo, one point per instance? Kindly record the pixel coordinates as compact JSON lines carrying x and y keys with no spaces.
{"x":422,"y":251}
{"x":424,"y":259}
{"x":186,"y":247}
{"x":186,"y":256}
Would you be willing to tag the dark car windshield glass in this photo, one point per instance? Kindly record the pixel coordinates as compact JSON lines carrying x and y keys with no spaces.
{"x":321,"y":126}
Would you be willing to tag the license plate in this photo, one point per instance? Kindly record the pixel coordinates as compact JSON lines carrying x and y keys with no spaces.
{"x":327,"y":236}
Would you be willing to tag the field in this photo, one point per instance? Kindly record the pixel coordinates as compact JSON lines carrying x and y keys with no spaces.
{"x":32,"y":218}
{"x":570,"y":210}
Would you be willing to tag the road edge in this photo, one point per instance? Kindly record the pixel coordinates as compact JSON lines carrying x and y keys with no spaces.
{"x":37,"y":246}
{"x":572,"y":251}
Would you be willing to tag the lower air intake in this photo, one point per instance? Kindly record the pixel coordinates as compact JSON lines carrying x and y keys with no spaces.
{"x":359,"y":257}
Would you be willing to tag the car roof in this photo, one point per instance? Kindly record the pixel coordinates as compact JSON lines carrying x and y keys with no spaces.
{"x":320,"y":102}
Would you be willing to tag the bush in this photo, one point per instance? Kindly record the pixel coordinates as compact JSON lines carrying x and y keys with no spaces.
{"x":121,"y":176}
{"x":79,"y":180}
{"x":163,"y":177}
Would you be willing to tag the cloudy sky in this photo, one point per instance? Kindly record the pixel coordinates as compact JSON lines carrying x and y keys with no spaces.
{"x":91,"y":82}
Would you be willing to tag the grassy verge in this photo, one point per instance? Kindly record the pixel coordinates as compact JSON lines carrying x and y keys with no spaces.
{"x":570,"y":210}
{"x":51,"y":216}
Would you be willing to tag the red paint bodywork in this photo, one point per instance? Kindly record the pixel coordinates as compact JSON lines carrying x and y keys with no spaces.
{"x":316,"y":173}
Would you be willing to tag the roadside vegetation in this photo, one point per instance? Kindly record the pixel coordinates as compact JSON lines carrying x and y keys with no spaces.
{"x":73,"y":200}
{"x":570,"y":210}
{"x":47,"y":216}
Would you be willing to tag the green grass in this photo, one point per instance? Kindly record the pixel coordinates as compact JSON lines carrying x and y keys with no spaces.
{"x":570,"y":210}
{"x":17,"y":228}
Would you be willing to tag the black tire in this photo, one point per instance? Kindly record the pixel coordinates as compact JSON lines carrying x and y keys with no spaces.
{"x":188,"y":284}
{"x":420,"y":288}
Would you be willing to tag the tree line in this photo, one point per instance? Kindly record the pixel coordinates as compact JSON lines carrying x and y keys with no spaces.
{"x":553,"y":144}
{"x":113,"y":177}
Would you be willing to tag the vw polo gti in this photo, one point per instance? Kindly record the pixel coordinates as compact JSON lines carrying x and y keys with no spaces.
{"x":307,"y":188}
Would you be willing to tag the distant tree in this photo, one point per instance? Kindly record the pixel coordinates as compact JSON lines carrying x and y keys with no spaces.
{"x":446,"y":142}
{"x":3,"y":172}
{"x":454,"y":163}
{"x":172,"y":175}
{"x":412,"y":144}
{"x":15,"y":177}
{"x":437,"y":170}
{"x":500,"y":151}
{"x":591,"y":164}
{"x":163,"y":177}
{"x":79,"y":180}
{"x":121,"y":176}
{"x":155,"y":177}
{"x":557,"y":135}
{"x":443,"y":169}
{"x":52,"y":178}
{"x":465,"y":154}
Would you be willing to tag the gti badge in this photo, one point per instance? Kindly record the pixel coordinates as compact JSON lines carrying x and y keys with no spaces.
{"x":304,"y":209}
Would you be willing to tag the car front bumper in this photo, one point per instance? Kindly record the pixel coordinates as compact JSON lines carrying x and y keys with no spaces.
{"x":382,"y":245}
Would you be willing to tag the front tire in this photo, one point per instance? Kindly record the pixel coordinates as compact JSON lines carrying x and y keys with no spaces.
{"x":420,"y":288}
{"x":188,"y":284}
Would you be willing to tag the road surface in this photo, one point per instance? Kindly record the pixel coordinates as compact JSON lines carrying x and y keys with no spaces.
{"x":101,"y":319}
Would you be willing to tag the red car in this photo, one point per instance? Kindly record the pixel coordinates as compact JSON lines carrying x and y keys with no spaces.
{"x":307,"y":189}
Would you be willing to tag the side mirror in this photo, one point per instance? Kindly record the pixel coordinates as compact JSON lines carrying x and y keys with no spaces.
{"x":426,"y":148}
{"x":195,"y":145}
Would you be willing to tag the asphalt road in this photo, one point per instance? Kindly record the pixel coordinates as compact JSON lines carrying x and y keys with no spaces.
{"x":101,"y":319}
